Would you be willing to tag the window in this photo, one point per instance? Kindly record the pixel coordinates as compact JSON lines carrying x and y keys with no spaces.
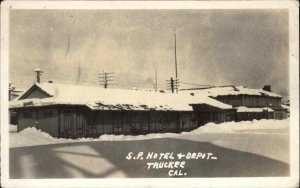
{"x":92,"y":117}
{"x":117,"y":129}
{"x":68,"y":121}
{"x":145,"y":127}
{"x":48,"y":113}
{"x":281,"y":116}
{"x":27,"y":114}
{"x":183,"y":123}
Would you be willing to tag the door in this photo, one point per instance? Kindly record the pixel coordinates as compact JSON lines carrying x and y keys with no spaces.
{"x":73,"y":123}
{"x":67,"y":124}
{"x":79,"y":124}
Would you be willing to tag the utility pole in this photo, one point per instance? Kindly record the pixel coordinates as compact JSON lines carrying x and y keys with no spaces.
{"x":10,"y":90}
{"x":172,"y":84}
{"x":106,"y":78}
{"x":176,"y":76}
{"x":38,"y":75}
{"x":155,"y":79}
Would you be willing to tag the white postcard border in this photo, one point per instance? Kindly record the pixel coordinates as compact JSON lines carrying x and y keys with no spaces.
{"x":291,"y":181}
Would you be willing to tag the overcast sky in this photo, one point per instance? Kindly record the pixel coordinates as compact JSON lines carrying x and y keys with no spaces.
{"x":217,"y":47}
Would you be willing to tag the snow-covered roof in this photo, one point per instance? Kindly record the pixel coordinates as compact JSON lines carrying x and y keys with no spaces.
{"x":231,"y":90}
{"x":98,"y":98}
{"x":246,"y":109}
{"x":285,"y":107}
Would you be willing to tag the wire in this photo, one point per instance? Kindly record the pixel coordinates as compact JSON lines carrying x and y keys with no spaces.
{"x":194,"y":84}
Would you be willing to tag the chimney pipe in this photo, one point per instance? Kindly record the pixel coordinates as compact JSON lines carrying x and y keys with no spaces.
{"x":38,"y":75}
{"x":267,"y":88}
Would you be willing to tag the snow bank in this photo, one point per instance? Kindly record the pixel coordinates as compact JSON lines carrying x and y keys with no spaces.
{"x":107,"y":137}
{"x":32,"y":136}
{"x":237,"y":127}
{"x":13,"y":128}
{"x":246,"y":109}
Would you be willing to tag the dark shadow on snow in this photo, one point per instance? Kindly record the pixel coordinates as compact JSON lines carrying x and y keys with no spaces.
{"x":47,"y":163}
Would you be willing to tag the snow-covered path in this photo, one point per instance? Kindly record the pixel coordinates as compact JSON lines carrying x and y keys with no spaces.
{"x":258,"y":148}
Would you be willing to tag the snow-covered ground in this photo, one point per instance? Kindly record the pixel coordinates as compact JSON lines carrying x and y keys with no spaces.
{"x":264,"y":143}
{"x":32,"y":136}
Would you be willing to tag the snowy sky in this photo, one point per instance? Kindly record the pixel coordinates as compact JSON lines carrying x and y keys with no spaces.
{"x":218,"y":47}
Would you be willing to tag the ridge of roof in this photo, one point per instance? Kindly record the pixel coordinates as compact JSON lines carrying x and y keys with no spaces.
{"x":232,"y":90}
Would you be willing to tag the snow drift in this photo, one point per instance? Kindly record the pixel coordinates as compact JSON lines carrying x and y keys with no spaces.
{"x":32,"y":136}
{"x":237,"y":127}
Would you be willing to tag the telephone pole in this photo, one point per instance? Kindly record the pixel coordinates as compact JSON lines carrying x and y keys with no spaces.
{"x":106,"y":78}
{"x":176,"y":76}
{"x":172,"y":84}
{"x":155,"y":79}
{"x":38,"y":75}
{"x":10,"y":90}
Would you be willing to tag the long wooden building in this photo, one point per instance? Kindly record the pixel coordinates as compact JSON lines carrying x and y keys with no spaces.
{"x":249,"y":103}
{"x":73,"y":111}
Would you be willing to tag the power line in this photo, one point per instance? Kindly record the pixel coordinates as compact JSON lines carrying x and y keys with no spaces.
{"x":72,"y":78}
{"x":91,"y":81}
{"x":60,"y":77}
{"x":194,"y":84}
{"x":55,"y":76}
